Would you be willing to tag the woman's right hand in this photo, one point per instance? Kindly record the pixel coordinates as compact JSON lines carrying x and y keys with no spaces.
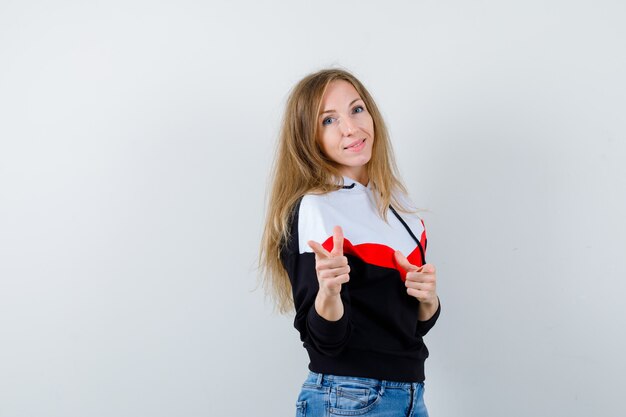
{"x":332,"y":271}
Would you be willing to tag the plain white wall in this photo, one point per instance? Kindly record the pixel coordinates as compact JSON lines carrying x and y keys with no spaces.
{"x":136,"y":138}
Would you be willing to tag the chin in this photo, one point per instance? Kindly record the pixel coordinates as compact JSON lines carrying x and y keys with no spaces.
{"x":365,"y":159}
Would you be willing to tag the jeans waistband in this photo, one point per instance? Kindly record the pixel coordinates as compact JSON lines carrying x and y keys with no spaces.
{"x":318,"y":379}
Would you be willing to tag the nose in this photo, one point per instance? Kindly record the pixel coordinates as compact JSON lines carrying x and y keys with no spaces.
{"x":347,"y":126}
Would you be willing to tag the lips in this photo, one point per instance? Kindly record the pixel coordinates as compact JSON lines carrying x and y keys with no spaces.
{"x":355,"y":144}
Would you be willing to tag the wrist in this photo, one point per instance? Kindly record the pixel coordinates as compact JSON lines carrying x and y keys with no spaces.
{"x":427,"y":309}
{"x":431,"y":302}
{"x":330,"y":307}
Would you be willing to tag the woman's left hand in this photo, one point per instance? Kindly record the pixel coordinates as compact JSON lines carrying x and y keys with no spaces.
{"x":421,"y":282}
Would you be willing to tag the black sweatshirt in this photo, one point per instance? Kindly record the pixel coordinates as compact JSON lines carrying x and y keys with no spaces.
{"x":379,"y":335}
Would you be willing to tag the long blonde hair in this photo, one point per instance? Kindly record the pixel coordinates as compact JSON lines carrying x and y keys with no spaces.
{"x":300,"y":167}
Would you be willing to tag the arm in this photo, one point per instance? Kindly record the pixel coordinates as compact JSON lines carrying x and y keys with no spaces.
{"x":322,"y":317}
{"x":332,"y":272}
{"x":421,"y":283}
{"x":427,"y":310}
{"x":427,"y":320}
{"x":329,"y":307}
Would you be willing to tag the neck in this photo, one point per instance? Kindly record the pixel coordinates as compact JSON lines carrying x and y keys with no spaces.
{"x":360,"y":176}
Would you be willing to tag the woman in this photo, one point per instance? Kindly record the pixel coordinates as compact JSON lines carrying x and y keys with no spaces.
{"x":339,"y":223}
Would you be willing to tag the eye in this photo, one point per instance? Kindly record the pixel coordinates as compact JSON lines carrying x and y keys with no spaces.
{"x":327,"y":121}
{"x":358,"y":109}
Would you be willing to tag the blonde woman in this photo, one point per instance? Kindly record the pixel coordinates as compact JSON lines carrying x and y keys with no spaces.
{"x":343,"y":246}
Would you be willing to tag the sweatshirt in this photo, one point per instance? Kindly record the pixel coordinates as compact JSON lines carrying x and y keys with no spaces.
{"x":379,"y":335}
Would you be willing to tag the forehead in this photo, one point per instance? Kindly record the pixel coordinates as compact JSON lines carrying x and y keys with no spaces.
{"x":339,"y":92}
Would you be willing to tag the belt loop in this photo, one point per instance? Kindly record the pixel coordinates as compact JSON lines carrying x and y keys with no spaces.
{"x":413,"y":398}
{"x":320,"y":377}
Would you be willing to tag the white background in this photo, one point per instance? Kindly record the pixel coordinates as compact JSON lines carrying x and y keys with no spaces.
{"x":136,"y":139}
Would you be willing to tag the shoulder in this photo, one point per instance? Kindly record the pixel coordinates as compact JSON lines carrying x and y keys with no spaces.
{"x":405,"y":200}
{"x":314,"y":217}
{"x":410,"y":212}
{"x":312,"y":206}
{"x":406,"y":205}
{"x":306,"y":222}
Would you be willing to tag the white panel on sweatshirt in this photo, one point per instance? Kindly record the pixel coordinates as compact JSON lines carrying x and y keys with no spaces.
{"x":354,"y":209}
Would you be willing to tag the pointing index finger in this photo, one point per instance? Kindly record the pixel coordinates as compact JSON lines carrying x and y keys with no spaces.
{"x":337,"y":242}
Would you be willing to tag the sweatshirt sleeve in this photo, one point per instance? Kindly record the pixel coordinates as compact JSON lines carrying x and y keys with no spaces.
{"x":424,"y":326}
{"x":327,"y":337}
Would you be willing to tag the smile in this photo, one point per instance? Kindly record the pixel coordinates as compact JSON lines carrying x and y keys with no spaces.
{"x":356,"y":146}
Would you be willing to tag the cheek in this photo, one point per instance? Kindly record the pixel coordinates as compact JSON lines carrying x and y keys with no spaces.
{"x":367,"y":124}
{"x":329,"y":141}
{"x":371,"y":126}
{"x":325,"y":143}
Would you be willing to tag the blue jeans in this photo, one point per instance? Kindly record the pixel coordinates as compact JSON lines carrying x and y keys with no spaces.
{"x":324,"y":395}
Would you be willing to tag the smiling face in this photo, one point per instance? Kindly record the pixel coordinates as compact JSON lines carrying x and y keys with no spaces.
{"x":346,"y":130}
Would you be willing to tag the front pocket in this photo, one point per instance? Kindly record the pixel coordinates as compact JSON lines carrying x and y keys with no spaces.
{"x":352,"y":397}
{"x":301,"y":409}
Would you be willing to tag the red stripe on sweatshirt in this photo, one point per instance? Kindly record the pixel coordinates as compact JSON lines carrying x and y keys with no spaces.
{"x":376,"y":254}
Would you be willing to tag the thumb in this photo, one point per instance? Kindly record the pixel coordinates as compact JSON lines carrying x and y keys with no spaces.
{"x":428,"y":268}
{"x":337,"y":242}
{"x":404,"y":262}
{"x":318,"y":249}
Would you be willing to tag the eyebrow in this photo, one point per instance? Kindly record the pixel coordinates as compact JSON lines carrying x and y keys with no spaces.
{"x":351,"y":103}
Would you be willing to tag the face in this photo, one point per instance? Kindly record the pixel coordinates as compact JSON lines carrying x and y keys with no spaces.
{"x":346,"y":130}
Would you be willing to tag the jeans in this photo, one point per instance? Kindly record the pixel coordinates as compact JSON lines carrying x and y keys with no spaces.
{"x":324,"y":395}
